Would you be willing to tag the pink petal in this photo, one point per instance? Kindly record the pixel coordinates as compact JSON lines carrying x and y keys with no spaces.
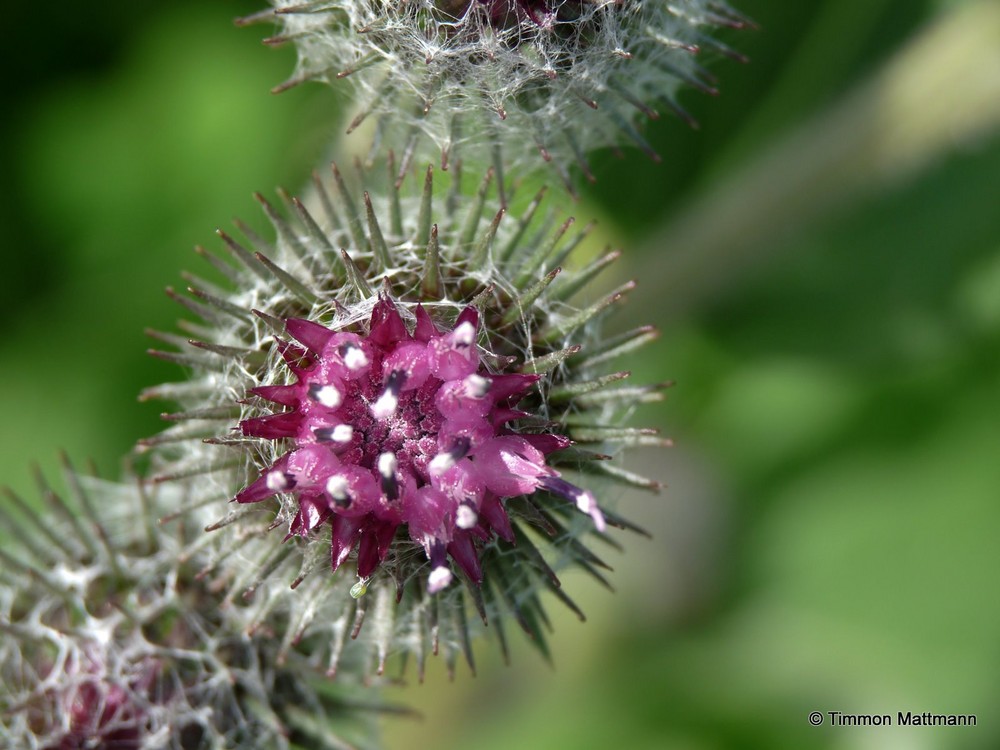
{"x":286,"y":395}
{"x":352,"y":490}
{"x":462,"y":484}
{"x":347,"y":356}
{"x":345,"y":533}
{"x":468,"y":315}
{"x":425,"y":329}
{"x":311,"y":465}
{"x":502,"y":415}
{"x":368,"y":553}
{"x":297,"y":358}
{"x":313,"y":510}
{"x":494,"y":513}
{"x":273,"y":426}
{"x":426,"y":511}
{"x":455,"y":355}
{"x":463,"y":551}
{"x":386,"y":327}
{"x":513,"y":386}
{"x":549,"y":443}
{"x":264,"y":486}
{"x":313,"y":335}
{"x":411,"y":360}
{"x":510,"y":465}
{"x":458,"y":400}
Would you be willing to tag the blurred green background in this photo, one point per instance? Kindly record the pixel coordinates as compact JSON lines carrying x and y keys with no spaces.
{"x":823,"y":258}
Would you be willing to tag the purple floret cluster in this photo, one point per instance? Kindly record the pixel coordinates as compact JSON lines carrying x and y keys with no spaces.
{"x":403,"y":429}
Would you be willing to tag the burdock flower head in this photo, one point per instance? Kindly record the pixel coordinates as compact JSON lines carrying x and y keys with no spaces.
{"x":115,"y":635}
{"x":425,"y":400}
{"x":553,"y":77}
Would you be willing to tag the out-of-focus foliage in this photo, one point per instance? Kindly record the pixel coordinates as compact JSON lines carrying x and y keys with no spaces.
{"x":116,"y":164}
{"x":827,"y":539}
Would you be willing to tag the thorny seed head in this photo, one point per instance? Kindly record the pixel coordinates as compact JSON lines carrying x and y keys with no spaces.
{"x":452,"y":425}
{"x":515,"y":78}
{"x":112,"y":640}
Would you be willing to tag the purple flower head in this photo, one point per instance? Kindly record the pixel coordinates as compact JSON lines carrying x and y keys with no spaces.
{"x":413,"y":389}
{"x":403,"y":428}
{"x":504,"y":14}
{"x":103,"y":713}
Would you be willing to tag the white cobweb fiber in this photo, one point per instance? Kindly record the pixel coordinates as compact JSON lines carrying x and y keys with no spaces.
{"x":522,"y":77}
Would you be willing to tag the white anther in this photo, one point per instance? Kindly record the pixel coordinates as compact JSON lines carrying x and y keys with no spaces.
{"x":586,"y":502}
{"x":337,"y":487}
{"x":387,"y":464}
{"x":355,"y":358}
{"x":476,"y":385}
{"x":465,"y":334}
{"x":386,"y":405}
{"x":438,"y":579}
{"x":276,"y":481}
{"x":328,"y":396}
{"x":342,"y":433}
{"x":465,"y":517}
{"x":440,"y":464}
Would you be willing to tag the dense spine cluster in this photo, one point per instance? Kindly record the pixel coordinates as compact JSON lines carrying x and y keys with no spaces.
{"x":115,"y":638}
{"x":507,"y":82}
{"x":460,"y":414}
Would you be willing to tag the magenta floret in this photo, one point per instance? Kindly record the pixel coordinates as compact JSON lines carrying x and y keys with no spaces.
{"x":400,"y":428}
